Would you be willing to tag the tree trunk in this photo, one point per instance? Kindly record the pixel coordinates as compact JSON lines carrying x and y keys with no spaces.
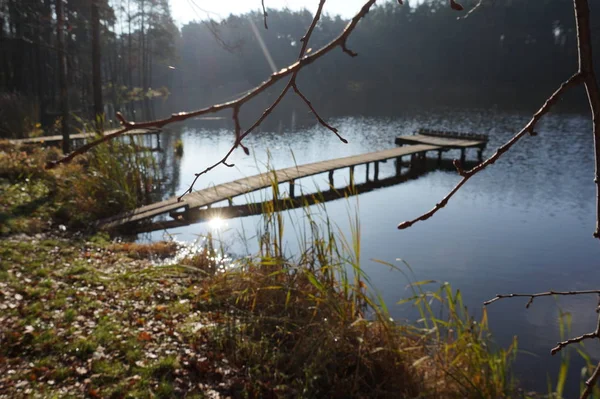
{"x":142,"y":57}
{"x":97,"y":68}
{"x":62,"y":76}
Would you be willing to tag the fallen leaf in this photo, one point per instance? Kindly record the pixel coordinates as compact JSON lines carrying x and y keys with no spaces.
{"x":456,"y":6}
{"x":144,"y":336}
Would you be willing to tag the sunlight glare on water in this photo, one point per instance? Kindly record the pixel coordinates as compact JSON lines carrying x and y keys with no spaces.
{"x":217,"y":223}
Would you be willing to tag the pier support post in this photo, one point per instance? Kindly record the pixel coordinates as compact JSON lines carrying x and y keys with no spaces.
{"x":462,"y":156}
{"x":292,"y":186}
{"x":399,"y":165}
{"x":439,"y":157}
{"x":480,"y":154}
{"x":352,"y":175}
{"x":230,"y":201}
{"x":368,"y":166}
{"x":376,"y":177}
{"x":331,"y":178}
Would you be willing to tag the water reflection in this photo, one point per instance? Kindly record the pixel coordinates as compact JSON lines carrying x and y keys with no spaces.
{"x":523,"y":225}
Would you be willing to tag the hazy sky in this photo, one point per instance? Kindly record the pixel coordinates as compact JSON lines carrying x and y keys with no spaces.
{"x":185,"y":10}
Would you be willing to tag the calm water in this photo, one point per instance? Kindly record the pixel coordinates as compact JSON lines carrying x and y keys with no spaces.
{"x":523,"y":225}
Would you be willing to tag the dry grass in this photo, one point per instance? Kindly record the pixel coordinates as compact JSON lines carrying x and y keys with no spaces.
{"x":161,"y":249}
{"x":296,"y":339}
{"x":312,"y":328}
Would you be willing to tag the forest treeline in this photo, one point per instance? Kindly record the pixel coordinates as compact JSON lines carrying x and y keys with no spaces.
{"x":509,"y":53}
{"x":135,"y":38}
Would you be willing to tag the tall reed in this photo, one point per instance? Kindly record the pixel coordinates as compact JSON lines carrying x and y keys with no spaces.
{"x":313,"y":325}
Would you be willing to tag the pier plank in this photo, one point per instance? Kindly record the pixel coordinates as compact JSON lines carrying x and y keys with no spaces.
{"x":79,"y":136}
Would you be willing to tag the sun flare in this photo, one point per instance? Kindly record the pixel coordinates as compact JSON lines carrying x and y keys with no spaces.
{"x":217,"y":223}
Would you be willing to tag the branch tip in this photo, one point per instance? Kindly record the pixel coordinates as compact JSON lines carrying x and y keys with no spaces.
{"x":404,"y":225}
{"x":529,"y":303}
{"x":459,"y":169}
{"x":265,"y":14}
{"x":122,"y":120}
{"x":346,"y":50}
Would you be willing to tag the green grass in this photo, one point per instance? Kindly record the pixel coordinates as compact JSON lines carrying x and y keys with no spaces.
{"x":109,"y":179}
{"x":178,"y":148}
{"x":105,"y":325}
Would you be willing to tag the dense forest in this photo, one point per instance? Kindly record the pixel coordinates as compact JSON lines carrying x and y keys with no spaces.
{"x":115,"y":45}
{"x":510,"y":53}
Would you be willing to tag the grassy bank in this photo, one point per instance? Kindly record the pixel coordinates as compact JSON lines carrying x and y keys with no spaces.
{"x":110,"y":179}
{"x":90,"y":317}
{"x":81,"y":315}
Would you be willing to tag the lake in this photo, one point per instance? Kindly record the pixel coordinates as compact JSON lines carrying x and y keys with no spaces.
{"x":523,"y":225}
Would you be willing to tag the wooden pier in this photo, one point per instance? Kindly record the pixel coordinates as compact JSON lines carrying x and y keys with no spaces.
{"x":56,"y":140}
{"x":420,"y":144}
{"x":410,"y":170}
{"x":447,"y":141}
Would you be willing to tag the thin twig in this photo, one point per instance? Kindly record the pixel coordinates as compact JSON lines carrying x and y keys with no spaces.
{"x":590,"y":383}
{"x":585,"y":75}
{"x":316,"y":114}
{"x":240,"y":136}
{"x":586,"y":68}
{"x":265,"y":15}
{"x":548,"y":293}
{"x":293,"y":84}
{"x":472,"y":10}
{"x":570,"y":341}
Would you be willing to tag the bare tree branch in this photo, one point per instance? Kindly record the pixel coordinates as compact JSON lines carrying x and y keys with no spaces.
{"x":570,"y":341}
{"x":265,"y":14}
{"x":291,"y":70}
{"x":586,"y":68}
{"x":585,"y":75}
{"x":235,"y":105}
{"x":532,"y":296}
{"x":529,"y":128}
{"x":314,"y":111}
{"x":591,"y":382}
{"x":472,"y":10}
{"x":291,"y":83}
